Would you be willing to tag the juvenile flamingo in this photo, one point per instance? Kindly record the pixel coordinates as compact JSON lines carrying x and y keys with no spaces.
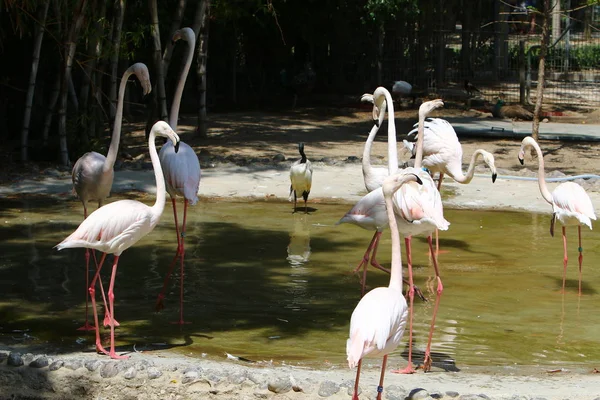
{"x":114,"y":228}
{"x":571,"y":205}
{"x":379,"y":320}
{"x":182,"y":172}
{"x":93,"y":173}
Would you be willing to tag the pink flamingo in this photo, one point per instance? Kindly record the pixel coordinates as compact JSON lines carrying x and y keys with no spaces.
{"x":442,"y":152}
{"x":182,"y":172}
{"x":379,"y":320}
{"x":571,"y":205}
{"x":93,"y":173}
{"x":420,"y":211}
{"x":114,"y":228}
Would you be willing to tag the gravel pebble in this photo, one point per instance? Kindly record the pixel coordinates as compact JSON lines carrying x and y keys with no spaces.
{"x":74,"y":364}
{"x":92,"y":365}
{"x":281,"y":385}
{"x":154,"y":373}
{"x":58,"y":364}
{"x":328,"y":388}
{"x":15,"y":360}
{"x":40,"y":362}
{"x":130,"y":373}
{"x":190,"y":376}
{"x":109,"y":369}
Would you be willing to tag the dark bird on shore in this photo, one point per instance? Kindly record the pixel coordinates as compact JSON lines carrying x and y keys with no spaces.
{"x":512,"y":111}
{"x":471,"y":89}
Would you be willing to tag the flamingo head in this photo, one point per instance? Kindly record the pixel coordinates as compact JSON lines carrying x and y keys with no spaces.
{"x":393,"y":182}
{"x":428,"y":107}
{"x":141,"y":71}
{"x":488,"y":158}
{"x":379,"y":106}
{"x":161,"y":128}
{"x":527,"y":142}
{"x":186,"y":34}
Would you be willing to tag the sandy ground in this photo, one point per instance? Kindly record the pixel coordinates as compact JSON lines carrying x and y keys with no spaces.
{"x":235,"y":166}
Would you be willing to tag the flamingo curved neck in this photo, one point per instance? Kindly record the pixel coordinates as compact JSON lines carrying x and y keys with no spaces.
{"x":420,"y":138}
{"x":396,"y":270}
{"x":159,"y":204}
{"x":366,"y":160}
{"x":458,"y":175}
{"x":541,"y":173}
{"x":392,"y":149}
{"x":113,"y":149}
{"x":174,"y":115}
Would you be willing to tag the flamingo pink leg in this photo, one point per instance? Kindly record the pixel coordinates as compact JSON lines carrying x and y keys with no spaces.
{"x":437,"y":236}
{"x":365,"y":261}
{"x":440,"y":289}
{"x":86,"y":326}
{"x":565,"y":257}
{"x":580,"y":257}
{"x":111,"y":302}
{"x":411,"y":297}
{"x":92,"y":291}
{"x":179,"y":255}
{"x":380,"y":387}
{"x":355,"y":394}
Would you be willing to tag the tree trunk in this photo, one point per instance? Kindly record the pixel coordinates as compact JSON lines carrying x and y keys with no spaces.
{"x":175,"y":25}
{"x":70,"y":45}
{"x":201,"y":21}
{"x":89,"y":72}
{"x":119,"y":13}
{"x":37,"y":48}
{"x":535,"y":130}
{"x":159,"y":83}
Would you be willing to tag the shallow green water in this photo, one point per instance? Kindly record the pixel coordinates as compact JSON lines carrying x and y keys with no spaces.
{"x":268,"y":285}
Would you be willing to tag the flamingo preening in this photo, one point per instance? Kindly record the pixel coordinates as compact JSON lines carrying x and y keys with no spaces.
{"x":571,"y":205}
{"x":93,"y":173}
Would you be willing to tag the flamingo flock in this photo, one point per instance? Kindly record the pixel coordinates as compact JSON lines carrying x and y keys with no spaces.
{"x":407,"y":201}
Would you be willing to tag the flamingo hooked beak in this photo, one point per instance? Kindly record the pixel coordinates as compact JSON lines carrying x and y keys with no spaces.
{"x":521,"y":160}
{"x":177,"y":146}
{"x":494,"y":176}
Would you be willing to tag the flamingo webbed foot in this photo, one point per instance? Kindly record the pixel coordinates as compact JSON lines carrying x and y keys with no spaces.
{"x":87,"y":327}
{"x":427,"y":363}
{"x":408,"y":370}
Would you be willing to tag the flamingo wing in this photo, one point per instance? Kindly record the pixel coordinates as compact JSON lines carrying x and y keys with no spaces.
{"x":377,"y":324}
{"x":570,"y":200}
{"x":112,"y":228}
{"x":181,"y":170}
{"x":369,"y":212}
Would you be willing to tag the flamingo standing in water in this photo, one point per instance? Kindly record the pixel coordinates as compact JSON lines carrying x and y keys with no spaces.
{"x":301,"y":177}
{"x":420,"y":211}
{"x":182,"y":172}
{"x":571,"y":205}
{"x":369,"y":213}
{"x":93,"y":173}
{"x":114,"y":228}
{"x":379,"y":320}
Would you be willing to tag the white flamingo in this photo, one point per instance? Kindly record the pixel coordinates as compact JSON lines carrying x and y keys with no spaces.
{"x":182,"y":172}
{"x":379,"y":320}
{"x":301,"y":177}
{"x":571,"y":205}
{"x":114,"y":228}
{"x":93,"y":173}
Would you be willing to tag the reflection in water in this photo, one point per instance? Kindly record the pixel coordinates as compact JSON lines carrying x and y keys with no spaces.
{"x":299,"y":248}
{"x":298,"y":251}
{"x":501,"y":303}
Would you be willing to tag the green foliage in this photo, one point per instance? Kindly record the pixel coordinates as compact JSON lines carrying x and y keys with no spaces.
{"x":389,"y":10}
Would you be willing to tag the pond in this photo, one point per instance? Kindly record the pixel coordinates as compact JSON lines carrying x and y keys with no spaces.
{"x":265,"y":284}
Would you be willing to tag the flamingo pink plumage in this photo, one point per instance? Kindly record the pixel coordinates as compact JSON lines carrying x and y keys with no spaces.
{"x":117,"y":226}
{"x":571,"y":205}
{"x":379,"y":320}
{"x":442,"y":152}
{"x":182,"y":172}
{"x":93,"y":173}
